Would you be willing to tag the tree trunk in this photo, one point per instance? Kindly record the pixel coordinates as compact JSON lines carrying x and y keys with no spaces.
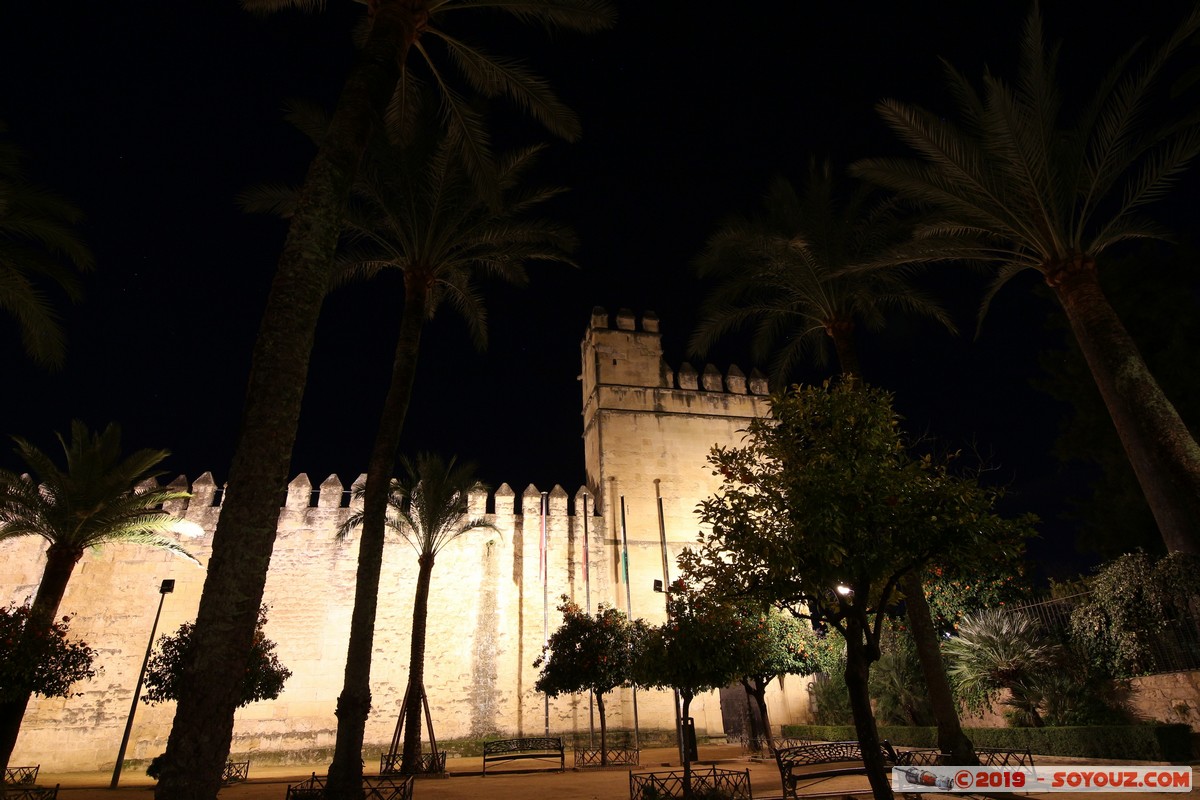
{"x":951,"y":738}
{"x":756,"y":688}
{"x":410,"y":761}
{"x":245,"y":534}
{"x":687,"y":750}
{"x":1163,"y":453}
{"x":60,"y":563}
{"x":354,"y":703}
{"x":603,"y":730}
{"x":859,"y":655}
{"x":842,"y":333}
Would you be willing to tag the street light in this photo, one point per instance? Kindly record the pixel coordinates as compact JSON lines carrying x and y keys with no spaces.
{"x":680,"y":737}
{"x":167,"y":587}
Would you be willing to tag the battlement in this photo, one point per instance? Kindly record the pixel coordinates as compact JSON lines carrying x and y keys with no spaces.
{"x":626,"y":350}
{"x":331,"y":494}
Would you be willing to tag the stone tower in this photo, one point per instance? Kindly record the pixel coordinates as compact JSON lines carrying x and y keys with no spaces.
{"x":647,"y":432}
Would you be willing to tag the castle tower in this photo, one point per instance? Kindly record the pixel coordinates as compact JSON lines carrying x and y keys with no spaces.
{"x":647,"y":434}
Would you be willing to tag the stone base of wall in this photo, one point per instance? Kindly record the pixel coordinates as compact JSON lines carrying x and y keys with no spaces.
{"x":1169,"y":697}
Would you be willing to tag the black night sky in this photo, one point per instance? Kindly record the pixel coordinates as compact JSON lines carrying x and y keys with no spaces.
{"x":153,"y":116}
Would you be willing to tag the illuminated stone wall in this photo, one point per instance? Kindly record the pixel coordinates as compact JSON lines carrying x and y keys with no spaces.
{"x":647,"y":432}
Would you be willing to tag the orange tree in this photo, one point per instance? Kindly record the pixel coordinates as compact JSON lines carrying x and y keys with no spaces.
{"x":825,"y":510}
{"x":764,"y":643}
{"x":590,"y":653}
{"x":46,"y":663}
{"x":263,"y":679}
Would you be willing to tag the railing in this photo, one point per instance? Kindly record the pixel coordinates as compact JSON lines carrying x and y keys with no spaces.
{"x":427,"y":764}
{"x":17,"y":776}
{"x":613,"y":757}
{"x":662,"y":785}
{"x":1175,"y":648}
{"x":375,"y":787}
{"x":235,"y":772}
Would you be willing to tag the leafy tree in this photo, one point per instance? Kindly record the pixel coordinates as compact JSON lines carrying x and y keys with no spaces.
{"x":798,"y":274}
{"x":689,"y":652}
{"x":46,"y":663}
{"x":38,"y":245}
{"x":264,"y":678}
{"x":765,"y":643}
{"x":429,"y":509}
{"x":101,"y":497}
{"x":824,"y":511}
{"x":1132,"y":600}
{"x":1023,"y":183}
{"x":395,"y":34}
{"x":807,"y":274}
{"x":590,"y":653}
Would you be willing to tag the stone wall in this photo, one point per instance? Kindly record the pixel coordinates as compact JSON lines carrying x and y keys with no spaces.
{"x":492,"y":602}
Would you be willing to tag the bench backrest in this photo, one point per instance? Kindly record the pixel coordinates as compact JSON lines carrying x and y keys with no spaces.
{"x":827,"y":753}
{"x":540,"y":743}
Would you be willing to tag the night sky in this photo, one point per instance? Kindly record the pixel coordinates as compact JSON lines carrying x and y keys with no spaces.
{"x":152,"y":117}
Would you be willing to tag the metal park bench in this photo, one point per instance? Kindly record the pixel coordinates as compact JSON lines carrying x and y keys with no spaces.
{"x":793,"y":765}
{"x":538,"y":747}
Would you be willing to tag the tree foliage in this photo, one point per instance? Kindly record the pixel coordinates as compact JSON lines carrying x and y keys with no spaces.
{"x":590,"y":652}
{"x":38,"y":248}
{"x":826,"y":508}
{"x":1025,"y":180}
{"x":1132,"y":599}
{"x":263,"y":680}
{"x":45,"y":663}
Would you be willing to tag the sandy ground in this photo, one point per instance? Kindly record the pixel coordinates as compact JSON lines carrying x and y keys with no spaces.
{"x":515,"y":781}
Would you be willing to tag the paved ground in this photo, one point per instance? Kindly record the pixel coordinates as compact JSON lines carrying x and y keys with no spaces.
{"x":502,"y":783}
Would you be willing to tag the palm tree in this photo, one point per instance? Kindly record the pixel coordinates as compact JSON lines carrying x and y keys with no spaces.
{"x":396,"y":32}
{"x":805,"y":272}
{"x":429,"y":509}
{"x":796,"y":274}
{"x":100,"y":498}
{"x":37,"y":244}
{"x":442,"y":234}
{"x":1020,"y":185}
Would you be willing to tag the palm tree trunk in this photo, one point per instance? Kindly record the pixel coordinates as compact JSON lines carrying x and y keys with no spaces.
{"x":410,"y":761}
{"x":859,"y":656}
{"x":60,"y":563}
{"x":354,"y":703}
{"x":245,"y":534}
{"x":603,"y":730}
{"x":951,"y":738}
{"x":1164,"y":454}
{"x":842,"y":334}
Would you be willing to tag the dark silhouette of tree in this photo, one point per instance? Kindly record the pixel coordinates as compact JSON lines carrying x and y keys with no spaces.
{"x":38,"y":245}
{"x":100,"y":497}
{"x":396,"y":34}
{"x":1021,"y":182}
{"x":801,"y":275}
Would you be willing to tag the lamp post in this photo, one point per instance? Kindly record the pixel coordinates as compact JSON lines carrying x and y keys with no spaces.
{"x":165,"y":589}
{"x":679,"y":735}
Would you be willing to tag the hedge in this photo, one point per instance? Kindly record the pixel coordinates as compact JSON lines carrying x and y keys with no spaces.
{"x":1131,"y":742}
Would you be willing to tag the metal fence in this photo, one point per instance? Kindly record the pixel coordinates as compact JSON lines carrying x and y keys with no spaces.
{"x":1175,"y":648}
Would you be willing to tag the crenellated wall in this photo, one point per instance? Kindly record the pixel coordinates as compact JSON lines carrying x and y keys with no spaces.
{"x":647,"y":431}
